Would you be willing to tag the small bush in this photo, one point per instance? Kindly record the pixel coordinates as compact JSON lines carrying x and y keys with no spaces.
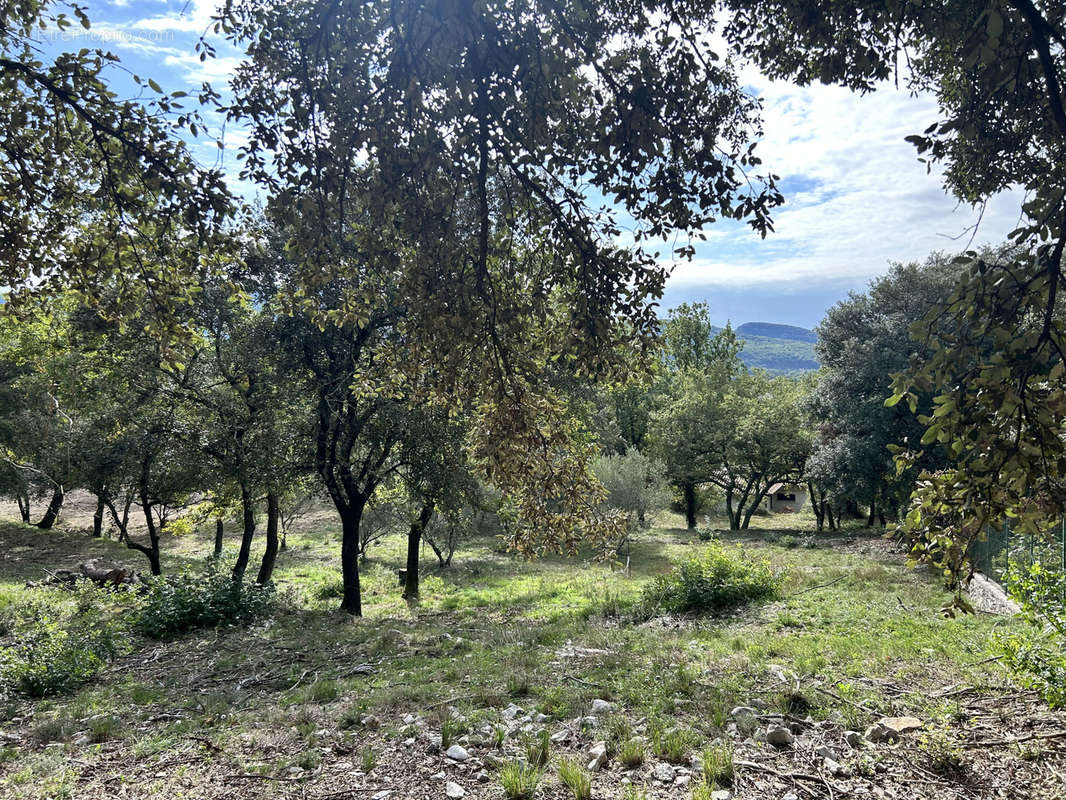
{"x":519,"y":780}
{"x":631,"y":753}
{"x":788,"y":542}
{"x":718,"y":765}
{"x":575,"y":778}
{"x":538,"y":749}
{"x":49,"y":659}
{"x":178,"y":604}
{"x":1036,"y":653}
{"x":673,"y":745}
{"x":718,"y":580}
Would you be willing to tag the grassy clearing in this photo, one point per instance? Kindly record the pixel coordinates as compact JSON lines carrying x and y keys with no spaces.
{"x":854,"y":634}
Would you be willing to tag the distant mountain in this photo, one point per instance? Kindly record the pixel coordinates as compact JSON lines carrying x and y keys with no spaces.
{"x":778,"y":349}
{"x":771,"y":330}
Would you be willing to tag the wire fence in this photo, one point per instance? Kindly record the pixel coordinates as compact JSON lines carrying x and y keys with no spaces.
{"x":1004,"y":548}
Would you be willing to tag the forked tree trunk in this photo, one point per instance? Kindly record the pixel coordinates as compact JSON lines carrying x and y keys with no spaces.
{"x":51,"y":514}
{"x":270,"y":555}
{"x":414,"y":539}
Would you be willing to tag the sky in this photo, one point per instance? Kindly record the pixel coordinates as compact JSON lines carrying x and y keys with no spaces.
{"x":857,"y":198}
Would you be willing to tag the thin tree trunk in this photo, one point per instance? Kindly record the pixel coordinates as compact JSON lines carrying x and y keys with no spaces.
{"x":351,"y":601}
{"x":734,"y":517}
{"x":23,"y":500}
{"x":51,"y":514}
{"x":247,"y":532}
{"x":873,"y":513}
{"x":219,"y":529}
{"x":98,"y":518}
{"x":689,"y":490}
{"x":414,"y":539}
{"x":818,"y":505}
{"x":270,"y":555}
{"x":152,"y":551}
{"x":832,"y":519}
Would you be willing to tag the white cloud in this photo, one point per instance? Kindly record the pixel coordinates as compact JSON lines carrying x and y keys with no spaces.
{"x":191,"y":17}
{"x":864,"y":199}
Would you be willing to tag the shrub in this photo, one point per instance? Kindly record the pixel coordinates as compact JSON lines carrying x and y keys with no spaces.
{"x":631,"y":753}
{"x":178,"y":604}
{"x":1037,"y":654}
{"x":519,"y":780}
{"x":788,"y":542}
{"x":718,"y":580}
{"x":48,"y":658}
{"x":538,"y":749}
{"x":673,"y":745}
{"x":718,"y":765}
{"x":575,"y":778}
{"x":634,"y":482}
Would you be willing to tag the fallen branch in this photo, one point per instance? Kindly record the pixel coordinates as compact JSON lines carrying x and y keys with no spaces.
{"x":1017,"y":740}
{"x":818,"y":586}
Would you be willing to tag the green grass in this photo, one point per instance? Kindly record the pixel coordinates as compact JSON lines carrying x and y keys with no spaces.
{"x":849,"y":616}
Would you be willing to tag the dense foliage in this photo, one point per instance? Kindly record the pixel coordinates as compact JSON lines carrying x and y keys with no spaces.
{"x":719,"y":580}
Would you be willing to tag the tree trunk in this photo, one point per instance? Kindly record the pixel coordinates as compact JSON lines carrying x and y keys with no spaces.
{"x":351,"y":601}
{"x":98,"y":518}
{"x":881,"y":517}
{"x":750,"y":512}
{"x":219,"y":527}
{"x":689,"y":490}
{"x":817,"y":505}
{"x":873,"y":513}
{"x":152,"y":551}
{"x":731,"y":512}
{"x":852,"y":509}
{"x":830,"y":517}
{"x":270,"y":555}
{"x":23,"y":500}
{"x":247,"y":532}
{"x":414,"y":539}
{"x":51,"y":513}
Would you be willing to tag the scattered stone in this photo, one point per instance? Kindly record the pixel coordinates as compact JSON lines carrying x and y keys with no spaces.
{"x":83,"y":739}
{"x":779,"y":737}
{"x":833,"y":767}
{"x":408,"y":742}
{"x":511,"y":712}
{"x":559,"y":736}
{"x":825,"y":752}
{"x":601,"y":707}
{"x":663,"y":773}
{"x":457,"y":753}
{"x":433,"y":746}
{"x":902,"y":724}
{"x":722,"y":794}
{"x":438,"y":776}
{"x":790,"y":796}
{"x":878,"y":733}
{"x":682,"y":780}
{"x":541,"y":718}
{"x":853,"y":738}
{"x":482,"y":777}
{"x":743,"y":711}
{"x":409,"y":719}
{"x":454,"y":790}
{"x":597,"y":756}
{"x":372,"y":722}
{"x":384,"y":793}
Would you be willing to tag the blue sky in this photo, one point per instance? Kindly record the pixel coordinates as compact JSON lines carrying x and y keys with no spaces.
{"x":857,"y":198}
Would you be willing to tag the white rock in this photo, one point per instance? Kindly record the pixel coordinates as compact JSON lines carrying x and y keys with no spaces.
{"x":381,"y":795}
{"x":663,"y":772}
{"x":682,"y":780}
{"x":853,"y":738}
{"x":601,"y":707}
{"x":743,"y":711}
{"x":559,"y":736}
{"x":597,"y":756}
{"x":454,"y":790}
{"x":825,"y":752}
{"x":721,"y":794}
{"x":482,"y":777}
{"x":511,"y":712}
{"x":457,"y":753}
